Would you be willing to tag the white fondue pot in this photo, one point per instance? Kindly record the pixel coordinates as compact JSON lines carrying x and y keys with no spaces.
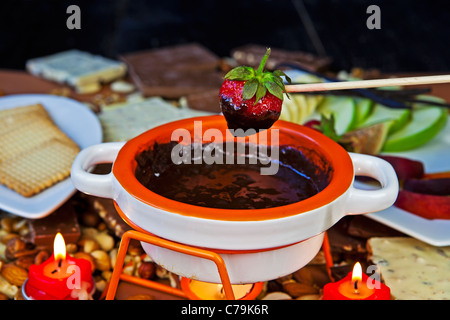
{"x":256,"y":244}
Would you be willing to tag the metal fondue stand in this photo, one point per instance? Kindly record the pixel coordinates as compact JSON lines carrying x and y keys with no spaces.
{"x":140,"y":234}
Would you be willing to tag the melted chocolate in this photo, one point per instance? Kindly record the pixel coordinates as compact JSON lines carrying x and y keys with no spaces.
{"x":233,"y":186}
{"x":239,"y":118}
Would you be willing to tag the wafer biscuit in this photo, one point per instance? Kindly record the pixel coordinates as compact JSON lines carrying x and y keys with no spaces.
{"x":19,"y":116}
{"x":34,"y":152}
{"x":35,"y":132}
{"x":38,"y":168}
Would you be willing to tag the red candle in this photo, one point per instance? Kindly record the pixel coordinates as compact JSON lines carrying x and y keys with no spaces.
{"x":60,"y":277}
{"x":356,"y":286}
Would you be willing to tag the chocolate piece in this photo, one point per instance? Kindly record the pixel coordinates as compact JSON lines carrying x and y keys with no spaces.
{"x":63,"y":220}
{"x":250,"y":55}
{"x":341,"y":243}
{"x":207,"y":100}
{"x":173,"y":72}
{"x":366,"y":228}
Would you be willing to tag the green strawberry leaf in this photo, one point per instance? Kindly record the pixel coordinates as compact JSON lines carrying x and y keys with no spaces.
{"x":249,"y":89}
{"x":274,"y":89}
{"x":260,"y":92}
{"x":279,"y":74}
{"x":241,"y":73}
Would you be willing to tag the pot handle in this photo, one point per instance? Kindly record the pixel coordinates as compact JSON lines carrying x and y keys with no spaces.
{"x":366,"y":201}
{"x":95,"y":184}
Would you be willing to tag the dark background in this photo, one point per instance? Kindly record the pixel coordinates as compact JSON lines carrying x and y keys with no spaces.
{"x":414,"y":35}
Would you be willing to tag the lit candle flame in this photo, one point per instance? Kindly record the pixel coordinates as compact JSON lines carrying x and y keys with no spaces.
{"x":356,"y":275}
{"x":59,"y":247}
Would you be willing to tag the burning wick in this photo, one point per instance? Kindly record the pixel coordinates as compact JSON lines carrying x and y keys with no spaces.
{"x":355,"y":286}
{"x":59,"y":251}
{"x":356,"y":276}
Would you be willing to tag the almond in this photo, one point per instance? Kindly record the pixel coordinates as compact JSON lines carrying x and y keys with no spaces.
{"x":14,"y":274}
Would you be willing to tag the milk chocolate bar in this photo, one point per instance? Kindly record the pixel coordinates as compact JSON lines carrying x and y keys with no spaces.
{"x":173,"y":72}
{"x":250,"y":55}
{"x":207,"y":100}
{"x":63,"y":220}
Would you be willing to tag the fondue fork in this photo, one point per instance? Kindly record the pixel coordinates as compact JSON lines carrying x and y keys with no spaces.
{"x":360,"y":84}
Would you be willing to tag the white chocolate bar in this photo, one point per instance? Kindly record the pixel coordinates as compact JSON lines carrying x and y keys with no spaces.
{"x":76,"y":68}
{"x":412,"y":269}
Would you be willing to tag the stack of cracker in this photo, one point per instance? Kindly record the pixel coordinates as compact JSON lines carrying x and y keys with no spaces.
{"x":34,"y":152}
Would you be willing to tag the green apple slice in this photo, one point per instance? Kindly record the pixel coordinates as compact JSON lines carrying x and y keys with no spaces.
{"x":425,"y":124}
{"x":344,"y":111}
{"x":363,"y":109}
{"x":382,"y":113}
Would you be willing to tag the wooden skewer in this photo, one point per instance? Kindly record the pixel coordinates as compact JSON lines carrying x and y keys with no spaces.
{"x":359,"y":84}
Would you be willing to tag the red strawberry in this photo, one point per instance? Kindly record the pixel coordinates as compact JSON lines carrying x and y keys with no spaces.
{"x":252,"y":99}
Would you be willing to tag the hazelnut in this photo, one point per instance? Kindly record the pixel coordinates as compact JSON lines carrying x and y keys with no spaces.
{"x":7,"y":223}
{"x":25,"y":262}
{"x":90,"y":218}
{"x":101,"y":260}
{"x":41,"y":256}
{"x":147,"y":270}
{"x":14,"y":246}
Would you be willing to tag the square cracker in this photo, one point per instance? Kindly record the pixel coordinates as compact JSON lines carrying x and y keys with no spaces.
{"x":38,"y":168}
{"x":34,"y":152}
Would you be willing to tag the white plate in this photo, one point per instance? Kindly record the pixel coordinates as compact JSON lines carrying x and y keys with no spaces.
{"x":79,"y":123}
{"x":435,"y":155}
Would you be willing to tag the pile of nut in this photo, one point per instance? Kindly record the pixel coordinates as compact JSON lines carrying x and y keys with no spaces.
{"x":96,"y":245}
{"x":99,"y":245}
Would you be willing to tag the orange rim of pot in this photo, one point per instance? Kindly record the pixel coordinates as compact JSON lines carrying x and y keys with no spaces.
{"x":289,"y":134}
